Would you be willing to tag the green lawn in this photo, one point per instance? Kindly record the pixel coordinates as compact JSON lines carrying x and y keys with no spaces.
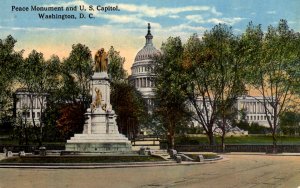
{"x":81,"y":159}
{"x":239,"y":140}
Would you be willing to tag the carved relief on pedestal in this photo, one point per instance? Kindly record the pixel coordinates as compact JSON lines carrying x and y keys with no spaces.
{"x":98,"y":98}
{"x":100,"y":82}
{"x":98,"y":102}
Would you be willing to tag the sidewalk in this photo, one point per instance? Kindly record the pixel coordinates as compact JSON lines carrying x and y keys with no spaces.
{"x":260,"y":153}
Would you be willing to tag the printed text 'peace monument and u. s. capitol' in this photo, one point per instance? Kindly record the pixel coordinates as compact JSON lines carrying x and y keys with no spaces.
{"x":65,"y":12}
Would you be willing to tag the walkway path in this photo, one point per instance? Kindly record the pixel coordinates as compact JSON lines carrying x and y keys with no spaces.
{"x":237,"y":171}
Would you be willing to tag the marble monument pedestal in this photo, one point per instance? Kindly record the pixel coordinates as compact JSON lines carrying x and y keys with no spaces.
{"x":100,"y":134}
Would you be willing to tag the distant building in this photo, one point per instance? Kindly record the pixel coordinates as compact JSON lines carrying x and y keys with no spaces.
{"x":204,"y":109}
{"x":28,"y":105}
{"x":252,"y":106}
{"x":142,"y":78}
{"x":254,"y":109}
{"x":142,"y":70}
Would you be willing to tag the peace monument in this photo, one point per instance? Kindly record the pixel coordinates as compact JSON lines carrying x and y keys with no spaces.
{"x":100,"y":133}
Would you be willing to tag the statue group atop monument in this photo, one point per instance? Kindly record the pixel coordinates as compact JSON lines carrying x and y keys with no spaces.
{"x":101,"y":61}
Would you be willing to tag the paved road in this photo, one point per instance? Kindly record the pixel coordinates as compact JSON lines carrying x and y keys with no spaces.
{"x":236,"y":171}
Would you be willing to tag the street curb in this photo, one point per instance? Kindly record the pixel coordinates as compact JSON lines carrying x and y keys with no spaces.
{"x":103,"y":165}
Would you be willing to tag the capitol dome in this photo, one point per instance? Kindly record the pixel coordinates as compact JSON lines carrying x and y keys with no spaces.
{"x":148,"y":52}
{"x":142,"y":70}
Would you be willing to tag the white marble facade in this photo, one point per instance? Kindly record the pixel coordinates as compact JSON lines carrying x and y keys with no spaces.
{"x":30,"y":105}
{"x":255,"y":110}
{"x":252,"y":105}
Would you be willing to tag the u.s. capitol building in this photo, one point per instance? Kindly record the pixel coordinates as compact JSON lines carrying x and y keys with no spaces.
{"x":142,"y":70}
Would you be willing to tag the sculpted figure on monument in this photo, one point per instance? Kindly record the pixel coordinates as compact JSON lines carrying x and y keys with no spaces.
{"x":101,"y":61}
{"x":97,"y":101}
{"x":104,"y":107}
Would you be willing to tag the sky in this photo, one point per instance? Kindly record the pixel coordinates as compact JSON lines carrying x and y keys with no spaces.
{"x":126,"y":29}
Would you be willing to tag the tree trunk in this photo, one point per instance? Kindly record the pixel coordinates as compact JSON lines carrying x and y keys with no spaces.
{"x":20,"y":130}
{"x":33,"y":121}
{"x":274,"y":141}
{"x":24,"y":130}
{"x":26,"y":135}
{"x":171,"y":138}
{"x":40,"y":138}
{"x":173,"y":141}
{"x":211,"y":138}
{"x":223,"y":134}
{"x":274,"y":131}
{"x":223,"y":140}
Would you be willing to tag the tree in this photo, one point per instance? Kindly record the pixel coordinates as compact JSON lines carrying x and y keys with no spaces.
{"x":39,"y":77}
{"x":276,"y":53}
{"x":130,"y":108}
{"x":71,"y":119}
{"x":255,"y":128}
{"x":200,"y":77}
{"x":154,"y":123}
{"x":243,"y":123}
{"x":115,"y":66}
{"x":9,"y":61}
{"x":50,"y":129}
{"x":170,"y":100}
{"x":51,"y":116}
{"x":71,"y":97}
{"x":21,"y":128}
{"x":126,"y":100}
{"x":77,"y":68}
{"x":214,"y":73}
{"x":290,"y":122}
{"x":68,"y":91}
{"x":226,"y":114}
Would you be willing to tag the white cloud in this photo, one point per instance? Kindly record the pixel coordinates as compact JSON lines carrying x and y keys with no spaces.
{"x":34,"y":28}
{"x":126,"y":19}
{"x":292,"y":22}
{"x":138,"y":15}
{"x":229,"y":21}
{"x":174,"y":16}
{"x":151,"y":11}
{"x":145,"y":10}
{"x":196,"y":18}
{"x":200,"y":19}
{"x":186,"y":27}
{"x":214,"y":11}
{"x":271,"y":12}
{"x":136,"y":19}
